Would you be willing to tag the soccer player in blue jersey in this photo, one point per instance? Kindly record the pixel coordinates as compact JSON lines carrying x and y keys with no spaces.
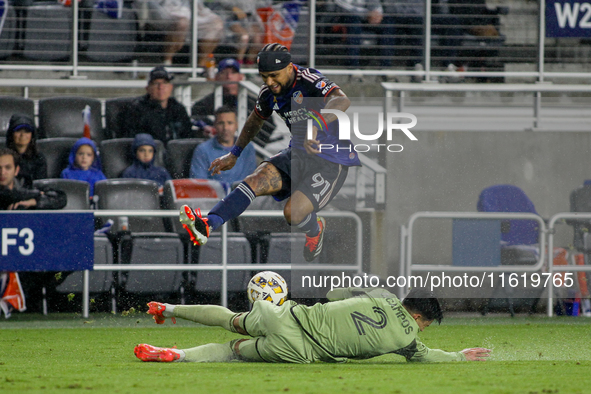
{"x":307,"y":176}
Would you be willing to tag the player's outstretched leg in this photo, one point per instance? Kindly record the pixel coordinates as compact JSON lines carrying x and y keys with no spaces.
{"x":313,"y":245}
{"x":210,"y":353}
{"x":196,"y":226}
{"x":209,"y":315}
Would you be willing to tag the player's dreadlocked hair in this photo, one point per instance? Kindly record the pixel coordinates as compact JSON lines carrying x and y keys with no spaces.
{"x":424,"y":302}
{"x":274,"y":47}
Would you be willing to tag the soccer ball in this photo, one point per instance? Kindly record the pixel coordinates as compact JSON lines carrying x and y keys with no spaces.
{"x":268,"y":286}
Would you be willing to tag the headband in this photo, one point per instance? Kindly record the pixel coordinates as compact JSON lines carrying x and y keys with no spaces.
{"x":273,"y":60}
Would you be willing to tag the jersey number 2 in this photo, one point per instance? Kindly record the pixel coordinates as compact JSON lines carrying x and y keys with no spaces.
{"x":360,"y":319}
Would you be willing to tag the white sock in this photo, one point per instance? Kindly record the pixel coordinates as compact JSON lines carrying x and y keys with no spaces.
{"x":169,"y":311}
{"x":181,"y":353}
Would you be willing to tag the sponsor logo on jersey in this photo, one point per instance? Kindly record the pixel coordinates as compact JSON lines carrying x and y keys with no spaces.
{"x":327,"y":89}
{"x":298,"y":97}
{"x":276,"y":107}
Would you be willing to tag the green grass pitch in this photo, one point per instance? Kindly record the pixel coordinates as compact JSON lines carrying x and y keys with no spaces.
{"x":65,"y":353}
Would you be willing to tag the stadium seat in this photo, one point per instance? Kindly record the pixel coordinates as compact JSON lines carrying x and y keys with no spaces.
{"x":260,"y":230}
{"x":211,"y":253}
{"x":2,"y":142}
{"x":114,"y":109}
{"x":509,"y":198}
{"x":77,"y":191}
{"x":286,"y":248}
{"x":14,"y":105}
{"x":48,"y":32}
{"x":62,"y":117}
{"x":56,"y":152}
{"x":144,"y":241}
{"x":179,"y":163}
{"x":7,"y":30}
{"x":197,"y":193}
{"x":116,"y":155}
{"x":111,"y":39}
{"x":100,"y":282}
{"x":519,"y":238}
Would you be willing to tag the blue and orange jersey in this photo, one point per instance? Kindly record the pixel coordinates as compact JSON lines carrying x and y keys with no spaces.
{"x":303,"y":101}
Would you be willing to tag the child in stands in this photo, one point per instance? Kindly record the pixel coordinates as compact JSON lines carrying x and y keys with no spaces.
{"x":85,"y":163}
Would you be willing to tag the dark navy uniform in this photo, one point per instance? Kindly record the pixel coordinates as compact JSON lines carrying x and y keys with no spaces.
{"x":319,"y":176}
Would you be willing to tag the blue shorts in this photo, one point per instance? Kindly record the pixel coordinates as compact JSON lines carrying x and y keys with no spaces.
{"x":319,"y":179}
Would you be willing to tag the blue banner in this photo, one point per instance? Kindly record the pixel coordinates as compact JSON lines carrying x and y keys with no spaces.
{"x":568,"y":18}
{"x":46,"y":241}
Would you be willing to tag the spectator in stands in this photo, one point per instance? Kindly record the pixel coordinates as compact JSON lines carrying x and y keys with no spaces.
{"x":353,"y":14}
{"x":401,"y":32}
{"x":85,"y":163}
{"x":205,"y":153}
{"x":21,"y":137}
{"x":157,"y":113}
{"x":143,"y":167}
{"x":15,"y":196}
{"x":242,"y":19}
{"x":173,"y":17}
{"x":476,"y":18}
{"x":228,"y":71}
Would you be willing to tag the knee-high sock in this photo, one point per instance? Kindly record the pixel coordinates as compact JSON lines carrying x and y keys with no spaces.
{"x":210,"y":353}
{"x":230,"y":207}
{"x":209,"y":315}
{"x":310,"y":225}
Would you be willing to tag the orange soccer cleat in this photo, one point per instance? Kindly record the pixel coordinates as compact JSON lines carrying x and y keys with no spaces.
{"x":156,"y":309}
{"x":147,"y":352}
{"x":313,"y":245}
{"x":195,"y":225}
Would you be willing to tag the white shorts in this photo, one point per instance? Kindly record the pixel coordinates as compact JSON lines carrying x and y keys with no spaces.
{"x":164,"y":14}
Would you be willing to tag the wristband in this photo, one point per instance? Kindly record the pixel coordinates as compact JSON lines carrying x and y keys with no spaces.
{"x":236,"y":151}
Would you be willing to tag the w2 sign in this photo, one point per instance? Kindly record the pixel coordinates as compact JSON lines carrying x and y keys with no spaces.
{"x":568,"y":18}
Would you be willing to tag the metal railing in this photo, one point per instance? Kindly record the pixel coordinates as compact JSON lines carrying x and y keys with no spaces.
{"x":322,"y":40}
{"x":406,"y":242}
{"x":536,"y":89}
{"x":544,"y":262}
{"x":554,"y":220}
{"x":224,"y":267}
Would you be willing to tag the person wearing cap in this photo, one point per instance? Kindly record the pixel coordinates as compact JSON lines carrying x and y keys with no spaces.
{"x":157,"y":113}
{"x":21,"y":137}
{"x":320,"y":160}
{"x":228,"y":71}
